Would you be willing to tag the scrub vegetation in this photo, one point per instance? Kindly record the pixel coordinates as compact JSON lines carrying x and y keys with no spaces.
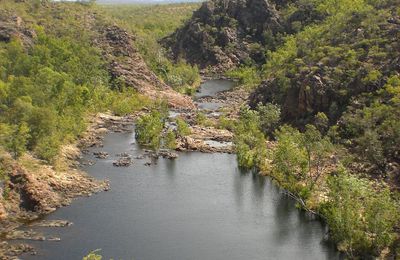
{"x":339,"y":154}
{"x":151,"y":23}
{"x":51,"y":84}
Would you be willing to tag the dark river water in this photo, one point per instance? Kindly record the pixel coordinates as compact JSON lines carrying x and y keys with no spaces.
{"x":211,"y":87}
{"x":198,"y":207}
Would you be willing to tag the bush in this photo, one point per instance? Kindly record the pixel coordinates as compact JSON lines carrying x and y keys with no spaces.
{"x":170,"y":140}
{"x":247,"y":76}
{"x":270,"y":116}
{"x":183,"y":128}
{"x":249,"y":140}
{"x":361,"y":217}
{"x":149,"y":129}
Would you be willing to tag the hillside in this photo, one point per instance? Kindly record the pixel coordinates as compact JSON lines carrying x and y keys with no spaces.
{"x":317,"y":110}
{"x":323,"y":80}
{"x":149,"y":24}
{"x":61,"y":64}
{"x":224,"y":34}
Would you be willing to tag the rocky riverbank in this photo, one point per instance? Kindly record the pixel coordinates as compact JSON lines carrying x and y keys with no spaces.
{"x":34,"y":188}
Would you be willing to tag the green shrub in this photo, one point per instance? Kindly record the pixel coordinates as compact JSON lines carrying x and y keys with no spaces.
{"x":183,"y":128}
{"x":361,"y":217}
{"x":170,"y":140}
{"x":149,"y":129}
{"x":249,"y":140}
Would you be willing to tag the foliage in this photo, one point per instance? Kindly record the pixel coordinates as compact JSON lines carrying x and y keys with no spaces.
{"x":360,"y":219}
{"x":151,"y":23}
{"x":346,"y":50}
{"x":318,"y":149}
{"x":375,"y":127}
{"x":321,"y":121}
{"x":270,"y":116}
{"x":50,"y":85}
{"x":226,"y":123}
{"x":93,"y":256}
{"x":290,"y":157}
{"x":249,"y":140}
{"x":149,"y":129}
{"x":183,"y":128}
{"x":247,"y":76}
{"x":170,"y":140}
{"x":127,"y":101}
{"x":202,"y":119}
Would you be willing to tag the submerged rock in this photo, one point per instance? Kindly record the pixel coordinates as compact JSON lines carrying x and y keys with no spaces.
{"x":168,"y":155}
{"x":124,"y":161}
{"x":52,"y":223}
{"x":11,"y":251}
{"x":24,"y":235}
{"x":100,"y":155}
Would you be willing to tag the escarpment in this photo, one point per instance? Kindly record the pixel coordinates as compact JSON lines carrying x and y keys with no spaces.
{"x":223,"y":34}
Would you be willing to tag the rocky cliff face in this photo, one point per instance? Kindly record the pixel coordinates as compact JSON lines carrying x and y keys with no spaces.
{"x":125,"y":63}
{"x":332,"y":83}
{"x":225,"y":33}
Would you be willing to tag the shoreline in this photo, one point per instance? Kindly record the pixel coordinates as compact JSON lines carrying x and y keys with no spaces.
{"x":46,"y":188}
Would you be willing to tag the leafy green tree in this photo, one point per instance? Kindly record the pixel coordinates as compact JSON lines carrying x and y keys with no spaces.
{"x":360,"y":219}
{"x":270,"y":116}
{"x":249,"y":140}
{"x":183,"y":128}
{"x":149,"y":129}
{"x":290,"y":156}
{"x":318,"y":150}
{"x":321,"y":121}
{"x":18,"y":140}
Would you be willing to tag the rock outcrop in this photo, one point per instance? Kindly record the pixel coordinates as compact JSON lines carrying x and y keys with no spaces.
{"x":13,"y":27}
{"x":225,"y":33}
{"x":331,"y":84}
{"x":126,"y":64}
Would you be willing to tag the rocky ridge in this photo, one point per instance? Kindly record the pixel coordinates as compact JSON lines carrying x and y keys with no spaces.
{"x":223,"y":34}
{"x":126,"y":64}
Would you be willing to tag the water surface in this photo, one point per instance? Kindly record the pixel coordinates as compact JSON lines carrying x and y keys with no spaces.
{"x":212,"y":87}
{"x":199,"y":206}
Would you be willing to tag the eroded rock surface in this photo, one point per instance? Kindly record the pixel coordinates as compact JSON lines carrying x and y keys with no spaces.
{"x":226,"y":33}
{"x":126,"y":64}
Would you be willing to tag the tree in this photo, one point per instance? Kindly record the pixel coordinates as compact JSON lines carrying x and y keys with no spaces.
{"x":321,"y":121}
{"x":183,"y":128}
{"x":19,"y":140}
{"x":270,"y":116}
{"x":249,"y":140}
{"x":361,"y":217}
{"x":149,"y":129}
{"x":290,"y":156}
{"x":318,"y":149}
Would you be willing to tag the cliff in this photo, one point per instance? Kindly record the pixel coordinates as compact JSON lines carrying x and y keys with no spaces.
{"x":223,"y":34}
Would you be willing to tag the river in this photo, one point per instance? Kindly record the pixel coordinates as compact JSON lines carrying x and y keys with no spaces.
{"x":199,"y":206}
